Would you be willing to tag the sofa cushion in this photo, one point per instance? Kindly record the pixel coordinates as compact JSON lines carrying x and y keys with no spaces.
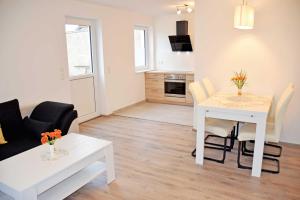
{"x":35,"y":128}
{"x":11,"y":120}
{"x":16,"y":147}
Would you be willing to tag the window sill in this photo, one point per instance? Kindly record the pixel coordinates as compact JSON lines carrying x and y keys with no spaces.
{"x":142,"y":69}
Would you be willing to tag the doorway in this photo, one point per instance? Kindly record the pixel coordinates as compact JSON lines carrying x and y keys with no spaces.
{"x":83,"y":66}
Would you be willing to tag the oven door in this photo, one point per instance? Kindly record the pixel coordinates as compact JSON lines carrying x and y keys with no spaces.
{"x":175,"y":88}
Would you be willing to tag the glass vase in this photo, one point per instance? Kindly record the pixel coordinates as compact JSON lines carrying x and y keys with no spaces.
{"x":51,"y":150}
{"x":239,"y":92}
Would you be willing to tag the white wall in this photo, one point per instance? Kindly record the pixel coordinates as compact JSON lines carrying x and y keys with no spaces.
{"x":34,"y":57}
{"x":166,"y":59}
{"x":269,"y":53}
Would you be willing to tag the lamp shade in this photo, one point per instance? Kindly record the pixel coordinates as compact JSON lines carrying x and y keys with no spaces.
{"x":244,"y":17}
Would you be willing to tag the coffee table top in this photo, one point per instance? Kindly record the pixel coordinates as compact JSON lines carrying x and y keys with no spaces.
{"x":27,"y":169}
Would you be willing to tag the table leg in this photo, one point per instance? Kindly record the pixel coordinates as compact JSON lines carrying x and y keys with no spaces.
{"x":109,"y":162}
{"x":200,"y":135}
{"x":259,"y":147}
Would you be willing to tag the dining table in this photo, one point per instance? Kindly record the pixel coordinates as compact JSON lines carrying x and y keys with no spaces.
{"x":248,"y":108}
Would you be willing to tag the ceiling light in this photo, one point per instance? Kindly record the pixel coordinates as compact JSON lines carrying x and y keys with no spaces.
{"x":244,"y":16}
{"x":189,"y":9}
{"x":183,"y":8}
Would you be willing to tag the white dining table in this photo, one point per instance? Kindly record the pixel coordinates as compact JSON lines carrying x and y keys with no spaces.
{"x":245,"y":108}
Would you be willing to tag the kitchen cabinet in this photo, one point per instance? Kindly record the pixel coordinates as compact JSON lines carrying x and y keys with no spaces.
{"x":155,"y":87}
{"x":154,"y":84}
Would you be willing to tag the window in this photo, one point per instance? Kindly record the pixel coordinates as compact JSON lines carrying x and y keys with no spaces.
{"x":79,"y":49}
{"x":141,"y":48}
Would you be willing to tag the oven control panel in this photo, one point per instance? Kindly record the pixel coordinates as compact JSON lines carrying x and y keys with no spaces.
{"x":175,"y":76}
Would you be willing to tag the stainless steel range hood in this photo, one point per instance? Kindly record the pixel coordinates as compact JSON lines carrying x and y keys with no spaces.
{"x":181,"y":41}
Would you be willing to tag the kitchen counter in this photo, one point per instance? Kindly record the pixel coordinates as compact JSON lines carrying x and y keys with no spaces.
{"x":170,"y":72}
{"x":169,"y":89}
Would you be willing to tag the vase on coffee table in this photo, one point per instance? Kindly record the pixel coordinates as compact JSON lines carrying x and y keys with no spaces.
{"x":50,"y":138}
{"x":51,"y":150}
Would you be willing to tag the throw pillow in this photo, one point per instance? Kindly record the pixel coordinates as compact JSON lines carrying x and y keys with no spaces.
{"x":2,"y":139}
{"x":35,"y":128}
{"x":11,"y":120}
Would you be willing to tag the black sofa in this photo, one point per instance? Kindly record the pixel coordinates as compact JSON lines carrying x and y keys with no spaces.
{"x":24,"y":134}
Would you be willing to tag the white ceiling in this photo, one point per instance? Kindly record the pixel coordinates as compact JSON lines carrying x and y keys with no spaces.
{"x":148,"y":7}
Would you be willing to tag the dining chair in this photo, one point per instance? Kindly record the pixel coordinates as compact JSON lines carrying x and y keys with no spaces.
{"x":220,"y":128}
{"x":209,"y":87}
{"x":273,"y":131}
{"x":211,"y":90}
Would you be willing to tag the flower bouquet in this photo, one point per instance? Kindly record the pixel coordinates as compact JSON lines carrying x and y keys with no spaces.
{"x":239,"y":80}
{"x":50,"y":138}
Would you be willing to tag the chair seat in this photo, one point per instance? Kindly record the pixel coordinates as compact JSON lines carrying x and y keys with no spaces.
{"x":218,"y":127}
{"x":247,"y":132}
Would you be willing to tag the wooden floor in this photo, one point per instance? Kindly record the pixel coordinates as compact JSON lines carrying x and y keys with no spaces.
{"x":152,"y":161}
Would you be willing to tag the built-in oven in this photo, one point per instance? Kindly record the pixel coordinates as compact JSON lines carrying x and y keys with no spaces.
{"x":175,"y":85}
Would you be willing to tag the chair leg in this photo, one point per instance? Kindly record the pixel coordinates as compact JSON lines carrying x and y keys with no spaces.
{"x":277,"y":171}
{"x":239,"y":158}
{"x":194,"y":153}
{"x":213,"y":159}
{"x":275,"y":146}
{"x":224,"y":152}
{"x":237,"y":130}
{"x":231,"y":137}
{"x":246,"y":150}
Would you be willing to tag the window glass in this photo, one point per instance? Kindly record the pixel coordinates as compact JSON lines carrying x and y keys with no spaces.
{"x":141,"y":48}
{"x":79,"y":49}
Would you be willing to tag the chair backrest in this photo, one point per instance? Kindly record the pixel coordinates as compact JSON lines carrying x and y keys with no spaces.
{"x":281,"y":108}
{"x":209,"y":87}
{"x":199,"y":95}
{"x":197,"y":91}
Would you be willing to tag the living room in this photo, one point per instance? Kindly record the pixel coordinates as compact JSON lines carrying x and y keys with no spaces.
{"x":151,"y":131}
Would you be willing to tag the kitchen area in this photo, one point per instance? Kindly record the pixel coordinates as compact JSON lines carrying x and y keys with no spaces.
{"x":169,"y":87}
{"x":174,"y":70}
{"x":167,"y":95}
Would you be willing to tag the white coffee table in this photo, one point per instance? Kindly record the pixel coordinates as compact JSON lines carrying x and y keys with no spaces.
{"x":29,"y":176}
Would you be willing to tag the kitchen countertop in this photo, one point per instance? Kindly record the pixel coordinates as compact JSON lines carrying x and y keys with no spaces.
{"x":170,"y":72}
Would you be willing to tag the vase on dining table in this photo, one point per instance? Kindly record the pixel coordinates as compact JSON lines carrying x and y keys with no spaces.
{"x":239,"y":92}
{"x":239,"y":80}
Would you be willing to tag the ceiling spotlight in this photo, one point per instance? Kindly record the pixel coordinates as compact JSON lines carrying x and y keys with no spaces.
{"x":189,"y":9}
{"x":183,"y":8}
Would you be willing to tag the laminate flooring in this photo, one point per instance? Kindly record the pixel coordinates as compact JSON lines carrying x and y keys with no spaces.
{"x":153,"y":162}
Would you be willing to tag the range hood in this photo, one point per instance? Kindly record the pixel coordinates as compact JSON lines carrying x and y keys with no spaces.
{"x":181,"y":41}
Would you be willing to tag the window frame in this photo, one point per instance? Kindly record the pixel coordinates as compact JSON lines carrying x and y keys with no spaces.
{"x":147,"y":49}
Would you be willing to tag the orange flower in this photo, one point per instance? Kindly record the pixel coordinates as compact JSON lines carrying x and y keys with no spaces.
{"x":50,"y":137}
{"x":57,"y":133}
{"x":239,"y":79}
{"x":44,"y":139}
{"x":44,"y":134}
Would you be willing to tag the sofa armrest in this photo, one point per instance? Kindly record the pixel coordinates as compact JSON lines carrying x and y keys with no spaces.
{"x":51,"y":111}
{"x":65,"y":123}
